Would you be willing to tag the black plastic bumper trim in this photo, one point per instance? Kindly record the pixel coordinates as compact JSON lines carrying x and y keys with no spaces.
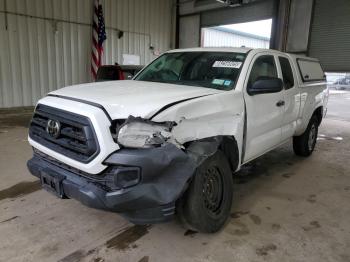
{"x":165,"y":172}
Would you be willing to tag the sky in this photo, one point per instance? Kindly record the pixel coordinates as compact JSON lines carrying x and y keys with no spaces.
{"x":261,"y":28}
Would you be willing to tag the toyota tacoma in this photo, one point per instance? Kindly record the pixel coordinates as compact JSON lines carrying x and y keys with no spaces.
{"x":170,"y":140}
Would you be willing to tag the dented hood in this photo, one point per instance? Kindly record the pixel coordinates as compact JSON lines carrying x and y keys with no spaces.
{"x":129,"y":97}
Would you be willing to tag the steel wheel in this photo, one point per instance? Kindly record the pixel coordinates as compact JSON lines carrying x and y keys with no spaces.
{"x":312,"y":137}
{"x":304,"y":144}
{"x":206,"y":205}
{"x":213,"y":191}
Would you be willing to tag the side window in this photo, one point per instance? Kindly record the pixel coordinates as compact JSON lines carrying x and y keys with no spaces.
{"x":287,"y":72}
{"x":264,"y":68}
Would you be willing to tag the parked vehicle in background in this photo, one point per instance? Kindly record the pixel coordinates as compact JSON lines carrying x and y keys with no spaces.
{"x":338,"y":81}
{"x":170,"y":141}
{"x":342,"y":83}
{"x":117,"y":72}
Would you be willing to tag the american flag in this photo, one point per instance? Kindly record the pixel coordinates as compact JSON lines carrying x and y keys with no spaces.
{"x":98,"y":37}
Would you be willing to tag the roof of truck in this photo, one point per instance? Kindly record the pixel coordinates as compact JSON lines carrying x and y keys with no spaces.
{"x":239,"y":50}
{"x":213,"y":49}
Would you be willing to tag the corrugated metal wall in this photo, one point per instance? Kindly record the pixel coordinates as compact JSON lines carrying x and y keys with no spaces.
{"x":40,"y":55}
{"x":330,"y":35}
{"x":216,"y":38}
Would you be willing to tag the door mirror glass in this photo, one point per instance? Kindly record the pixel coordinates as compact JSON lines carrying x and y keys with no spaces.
{"x":266,"y":85}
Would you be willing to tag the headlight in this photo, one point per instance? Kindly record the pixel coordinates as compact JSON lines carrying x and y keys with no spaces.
{"x":137,"y":133}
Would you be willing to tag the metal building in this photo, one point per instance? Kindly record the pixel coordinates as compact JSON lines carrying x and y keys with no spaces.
{"x":46,"y":44}
{"x":225,"y":37}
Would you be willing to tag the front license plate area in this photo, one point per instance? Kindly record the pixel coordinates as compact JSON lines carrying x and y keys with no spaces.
{"x":52,"y":183}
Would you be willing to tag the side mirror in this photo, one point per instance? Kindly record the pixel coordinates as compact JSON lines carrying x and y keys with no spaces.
{"x":264,"y":86}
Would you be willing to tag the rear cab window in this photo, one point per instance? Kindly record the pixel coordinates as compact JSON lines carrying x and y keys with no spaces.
{"x":287,"y":72}
{"x":310,"y":70}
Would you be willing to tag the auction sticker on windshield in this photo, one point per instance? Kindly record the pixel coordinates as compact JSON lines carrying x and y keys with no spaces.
{"x":218,"y":82}
{"x":227,"y":64}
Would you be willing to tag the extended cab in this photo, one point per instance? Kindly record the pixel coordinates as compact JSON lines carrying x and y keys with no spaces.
{"x":169,"y":141}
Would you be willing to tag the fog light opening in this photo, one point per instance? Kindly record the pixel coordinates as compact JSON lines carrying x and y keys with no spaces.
{"x":125,"y":177}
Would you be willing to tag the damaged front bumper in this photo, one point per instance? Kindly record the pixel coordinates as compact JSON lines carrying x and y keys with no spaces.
{"x":140,"y":184}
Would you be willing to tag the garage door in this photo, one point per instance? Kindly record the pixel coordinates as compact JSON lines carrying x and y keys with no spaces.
{"x":246,"y":13}
{"x":330,"y":34}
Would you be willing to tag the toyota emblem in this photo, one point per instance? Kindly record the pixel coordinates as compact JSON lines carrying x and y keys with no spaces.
{"x":53,"y":128}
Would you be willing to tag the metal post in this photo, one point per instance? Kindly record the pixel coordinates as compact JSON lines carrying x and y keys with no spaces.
{"x":5,"y":15}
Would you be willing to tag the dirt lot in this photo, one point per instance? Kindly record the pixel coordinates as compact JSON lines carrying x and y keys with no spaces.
{"x":286,"y":208}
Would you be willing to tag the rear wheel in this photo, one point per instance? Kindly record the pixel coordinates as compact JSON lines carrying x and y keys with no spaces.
{"x":304,"y":144}
{"x":206,"y":205}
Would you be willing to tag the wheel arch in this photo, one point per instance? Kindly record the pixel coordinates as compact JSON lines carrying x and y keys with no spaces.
{"x":318,"y":112}
{"x":230,"y":148}
{"x":203,"y":148}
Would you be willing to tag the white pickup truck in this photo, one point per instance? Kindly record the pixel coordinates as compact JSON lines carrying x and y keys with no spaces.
{"x":169,"y":141}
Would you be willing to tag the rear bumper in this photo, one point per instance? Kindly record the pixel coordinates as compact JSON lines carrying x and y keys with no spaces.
{"x":163,"y":176}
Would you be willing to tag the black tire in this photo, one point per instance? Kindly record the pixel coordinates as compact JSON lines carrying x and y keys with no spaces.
{"x":206,"y":205}
{"x":304,"y":144}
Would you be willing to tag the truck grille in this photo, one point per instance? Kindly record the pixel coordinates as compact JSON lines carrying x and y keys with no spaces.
{"x":71,"y":135}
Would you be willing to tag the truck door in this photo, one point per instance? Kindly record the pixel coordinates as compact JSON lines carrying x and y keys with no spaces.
{"x":291,"y":96}
{"x":264,"y":111}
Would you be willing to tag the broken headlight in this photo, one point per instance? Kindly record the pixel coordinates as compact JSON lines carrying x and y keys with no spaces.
{"x":139,"y":133}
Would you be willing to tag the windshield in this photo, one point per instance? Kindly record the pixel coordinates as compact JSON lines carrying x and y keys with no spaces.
{"x":217,"y":70}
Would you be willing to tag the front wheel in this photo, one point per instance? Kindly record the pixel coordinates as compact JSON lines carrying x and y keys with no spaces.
{"x":304,"y":144}
{"x":206,"y":205}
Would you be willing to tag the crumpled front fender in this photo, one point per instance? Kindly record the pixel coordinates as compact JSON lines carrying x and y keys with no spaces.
{"x":211,"y":116}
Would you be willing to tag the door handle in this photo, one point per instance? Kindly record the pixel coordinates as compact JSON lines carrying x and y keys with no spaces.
{"x":280,"y":103}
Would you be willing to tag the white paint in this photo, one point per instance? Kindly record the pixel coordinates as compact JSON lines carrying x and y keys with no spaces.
{"x":292,"y":100}
{"x":101,"y":125}
{"x":129,"y":97}
{"x":210,"y":113}
{"x":213,"y":49}
{"x":311,"y":70}
{"x":264,"y":118}
{"x":213,"y":115}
